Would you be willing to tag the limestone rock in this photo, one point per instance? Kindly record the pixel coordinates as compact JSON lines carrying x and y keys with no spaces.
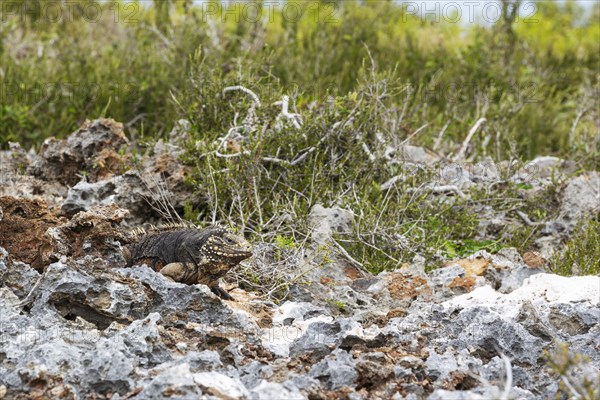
{"x":327,"y":221}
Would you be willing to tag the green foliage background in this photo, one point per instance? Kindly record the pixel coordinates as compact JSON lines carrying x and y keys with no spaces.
{"x":535,"y":73}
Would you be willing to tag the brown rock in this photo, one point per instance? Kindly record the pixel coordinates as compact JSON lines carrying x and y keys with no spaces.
{"x":34,"y":234}
{"x":22,"y":230}
{"x":92,"y":149}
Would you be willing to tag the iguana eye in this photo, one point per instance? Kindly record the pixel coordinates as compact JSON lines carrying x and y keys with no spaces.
{"x":229,"y":240}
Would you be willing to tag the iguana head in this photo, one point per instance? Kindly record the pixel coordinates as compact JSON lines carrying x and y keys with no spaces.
{"x":224,"y":246}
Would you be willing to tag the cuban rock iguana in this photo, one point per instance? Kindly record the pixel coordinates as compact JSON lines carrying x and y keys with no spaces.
{"x":190,"y":255}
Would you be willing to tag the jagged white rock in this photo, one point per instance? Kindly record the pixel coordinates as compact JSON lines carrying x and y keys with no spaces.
{"x":540,"y":288}
{"x":220,"y":385}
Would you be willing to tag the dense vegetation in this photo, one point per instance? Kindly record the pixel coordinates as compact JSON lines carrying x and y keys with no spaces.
{"x":361,"y":76}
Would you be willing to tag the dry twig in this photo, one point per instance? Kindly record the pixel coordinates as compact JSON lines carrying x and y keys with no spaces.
{"x":461,"y":153}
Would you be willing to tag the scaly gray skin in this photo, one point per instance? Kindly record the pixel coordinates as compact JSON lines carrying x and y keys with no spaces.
{"x":191,"y":255}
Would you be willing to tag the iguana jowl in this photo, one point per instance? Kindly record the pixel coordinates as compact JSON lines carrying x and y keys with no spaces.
{"x":191,"y":255}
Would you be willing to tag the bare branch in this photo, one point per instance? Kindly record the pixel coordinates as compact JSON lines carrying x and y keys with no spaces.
{"x":526,"y":219}
{"x":438,"y":141}
{"x":440,"y":189}
{"x":414,"y":134}
{"x":509,"y":377}
{"x":461,"y":153}
{"x":28,"y":299}
{"x":249,"y":92}
{"x":293,"y":117}
{"x":159,"y":198}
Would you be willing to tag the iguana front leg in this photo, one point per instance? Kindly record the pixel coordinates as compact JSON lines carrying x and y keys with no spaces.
{"x":181,"y":272}
{"x":188,"y":273}
{"x":222,"y":293}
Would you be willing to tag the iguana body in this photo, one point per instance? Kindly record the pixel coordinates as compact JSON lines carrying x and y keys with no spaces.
{"x":190,"y":255}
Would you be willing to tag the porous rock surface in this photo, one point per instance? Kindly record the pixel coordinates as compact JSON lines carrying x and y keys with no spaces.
{"x":76,"y":324}
{"x":131,"y":333}
{"x":95,"y":166}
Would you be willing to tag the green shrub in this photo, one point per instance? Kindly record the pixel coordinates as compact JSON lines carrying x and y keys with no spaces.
{"x":581,"y":255}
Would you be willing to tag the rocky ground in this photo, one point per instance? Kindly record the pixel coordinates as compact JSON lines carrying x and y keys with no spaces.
{"x":74,"y":323}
